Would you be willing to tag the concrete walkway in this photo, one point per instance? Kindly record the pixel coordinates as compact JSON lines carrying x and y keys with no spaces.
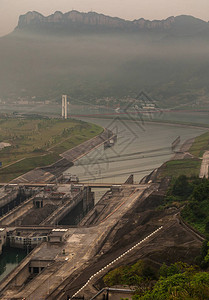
{"x":204,"y":165}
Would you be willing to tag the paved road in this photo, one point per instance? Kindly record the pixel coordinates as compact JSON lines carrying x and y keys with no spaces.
{"x":204,"y":165}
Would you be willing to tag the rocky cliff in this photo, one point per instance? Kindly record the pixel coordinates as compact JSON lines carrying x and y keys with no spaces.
{"x":75,"y":19}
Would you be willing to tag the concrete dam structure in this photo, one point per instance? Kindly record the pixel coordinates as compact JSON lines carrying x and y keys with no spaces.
{"x":67,"y":261}
{"x":59,"y":249}
{"x":45,"y":209}
{"x":12,"y":196}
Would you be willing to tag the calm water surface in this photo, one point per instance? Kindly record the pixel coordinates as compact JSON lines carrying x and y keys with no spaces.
{"x":140,"y":148}
{"x":9,"y":259}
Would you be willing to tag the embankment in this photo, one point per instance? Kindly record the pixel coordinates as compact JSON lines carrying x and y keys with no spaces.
{"x":55,"y":170}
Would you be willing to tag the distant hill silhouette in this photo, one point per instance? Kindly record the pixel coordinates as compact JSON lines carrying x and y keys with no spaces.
{"x":90,"y":56}
{"x":86,"y":22}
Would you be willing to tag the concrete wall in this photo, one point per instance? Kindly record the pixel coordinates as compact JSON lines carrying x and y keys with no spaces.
{"x":67,"y":207}
{"x":21,"y":277}
{"x":114,"y":295}
{"x":23,"y":242}
{"x":36,"y":266}
{"x":6,"y":199}
{"x":17,"y":212}
{"x":130,"y":179}
{"x":3,"y":236}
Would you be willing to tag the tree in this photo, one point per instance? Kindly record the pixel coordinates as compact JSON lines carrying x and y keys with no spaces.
{"x":181,"y":187}
{"x":201,"y":191}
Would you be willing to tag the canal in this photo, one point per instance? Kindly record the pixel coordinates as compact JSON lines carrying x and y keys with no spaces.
{"x":140,"y":148}
{"x":9,"y":259}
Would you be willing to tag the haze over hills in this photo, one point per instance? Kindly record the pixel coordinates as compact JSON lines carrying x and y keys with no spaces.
{"x":90,"y":56}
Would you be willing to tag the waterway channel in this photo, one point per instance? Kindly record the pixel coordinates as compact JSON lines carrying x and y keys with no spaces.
{"x":140,"y":148}
{"x":9,"y":259}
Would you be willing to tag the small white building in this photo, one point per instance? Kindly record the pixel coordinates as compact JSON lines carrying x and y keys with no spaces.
{"x":58,"y":235}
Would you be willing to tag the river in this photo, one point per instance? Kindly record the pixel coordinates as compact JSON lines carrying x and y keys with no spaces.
{"x":140,"y":148}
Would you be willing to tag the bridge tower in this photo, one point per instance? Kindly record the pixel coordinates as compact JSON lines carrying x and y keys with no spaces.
{"x":64,"y":106}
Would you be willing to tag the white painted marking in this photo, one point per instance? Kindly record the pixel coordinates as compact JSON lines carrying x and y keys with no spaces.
{"x":117,"y":259}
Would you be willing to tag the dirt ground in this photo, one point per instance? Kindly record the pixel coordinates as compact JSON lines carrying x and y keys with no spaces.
{"x":36,"y":215}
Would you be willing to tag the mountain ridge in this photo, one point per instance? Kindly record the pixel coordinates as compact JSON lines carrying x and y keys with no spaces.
{"x":33,"y":20}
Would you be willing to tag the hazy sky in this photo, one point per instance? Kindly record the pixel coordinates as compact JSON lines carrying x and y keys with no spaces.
{"x":127,"y":9}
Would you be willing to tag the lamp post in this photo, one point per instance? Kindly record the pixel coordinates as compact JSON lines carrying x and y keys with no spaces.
{"x":73,"y":259}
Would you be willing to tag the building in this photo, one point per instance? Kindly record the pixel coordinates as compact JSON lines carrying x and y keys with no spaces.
{"x":27,"y":240}
{"x":58,"y":235}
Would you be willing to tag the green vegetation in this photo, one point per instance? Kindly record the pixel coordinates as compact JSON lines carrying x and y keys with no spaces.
{"x":26,"y":165}
{"x":200,"y":145}
{"x":192,"y":194}
{"x":175,"y":168}
{"x":130,"y":275}
{"x":38,"y":142}
{"x":203,"y":259}
{"x":205,"y":254}
{"x":187,"y":167}
{"x":196,"y":211}
{"x":177,"y":281}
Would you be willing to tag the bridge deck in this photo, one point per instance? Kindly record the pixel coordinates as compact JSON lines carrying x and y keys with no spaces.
{"x":92,"y":185}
